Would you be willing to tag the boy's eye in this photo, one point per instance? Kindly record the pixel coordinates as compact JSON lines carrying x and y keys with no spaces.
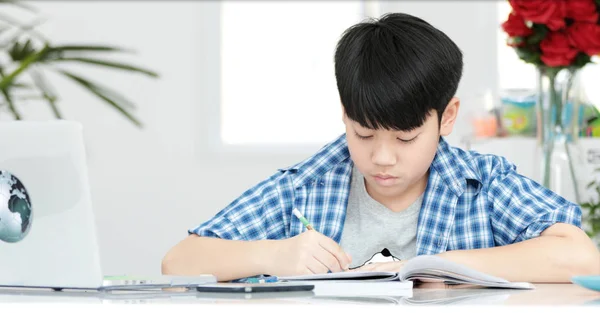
{"x":362,"y":137}
{"x":408,"y":140}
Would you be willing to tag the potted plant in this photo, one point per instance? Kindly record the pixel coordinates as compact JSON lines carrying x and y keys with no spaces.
{"x":26,"y":57}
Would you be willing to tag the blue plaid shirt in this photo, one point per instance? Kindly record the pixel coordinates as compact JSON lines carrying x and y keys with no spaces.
{"x":471,"y":201}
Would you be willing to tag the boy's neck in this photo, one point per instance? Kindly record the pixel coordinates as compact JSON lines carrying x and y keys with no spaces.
{"x":400,"y":202}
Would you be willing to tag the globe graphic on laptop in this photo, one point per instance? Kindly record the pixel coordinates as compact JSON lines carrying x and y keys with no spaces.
{"x":15,"y":208}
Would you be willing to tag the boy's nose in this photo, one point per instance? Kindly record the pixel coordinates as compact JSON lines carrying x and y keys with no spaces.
{"x":383,"y":155}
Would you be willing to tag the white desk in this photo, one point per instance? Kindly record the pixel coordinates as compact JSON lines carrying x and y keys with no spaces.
{"x":439,"y":294}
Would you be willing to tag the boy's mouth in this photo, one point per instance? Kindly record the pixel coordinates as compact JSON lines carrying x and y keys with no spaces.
{"x":385,"y":180}
{"x":384,"y":176}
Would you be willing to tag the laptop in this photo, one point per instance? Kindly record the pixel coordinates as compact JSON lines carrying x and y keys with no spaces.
{"x":47,"y":226}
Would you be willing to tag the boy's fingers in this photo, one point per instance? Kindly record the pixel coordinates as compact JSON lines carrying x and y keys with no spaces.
{"x":333,"y":248}
{"x":316,"y":267}
{"x":328,"y":259}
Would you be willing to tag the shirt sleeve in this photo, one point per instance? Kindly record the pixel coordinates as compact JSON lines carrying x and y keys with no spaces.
{"x":255,"y":215}
{"x":521,"y":208}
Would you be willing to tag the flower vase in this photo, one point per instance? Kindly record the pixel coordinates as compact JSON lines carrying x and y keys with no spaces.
{"x":559,"y":152}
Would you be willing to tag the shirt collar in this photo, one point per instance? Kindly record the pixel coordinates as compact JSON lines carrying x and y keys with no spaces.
{"x":448,"y":164}
{"x":313,"y":168}
{"x":451,"y":166}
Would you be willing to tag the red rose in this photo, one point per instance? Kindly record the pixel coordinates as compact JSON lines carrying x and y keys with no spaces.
{"x":552,"y":13}
{"x":515,"y":26}
{"x":585,"y":37}
{"x":582,"y":10}
{"x":556,"y":50}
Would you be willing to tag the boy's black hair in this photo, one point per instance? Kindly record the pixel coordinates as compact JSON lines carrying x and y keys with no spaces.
{"x":393,"y":71}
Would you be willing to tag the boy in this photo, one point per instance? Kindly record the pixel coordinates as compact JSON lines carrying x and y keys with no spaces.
{"x":392,"y":183}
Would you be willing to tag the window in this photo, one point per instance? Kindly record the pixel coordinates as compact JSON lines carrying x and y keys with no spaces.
{"x":277,"y":73}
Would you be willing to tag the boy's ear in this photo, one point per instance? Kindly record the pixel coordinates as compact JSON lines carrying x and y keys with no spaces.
{"x":449,"y":117}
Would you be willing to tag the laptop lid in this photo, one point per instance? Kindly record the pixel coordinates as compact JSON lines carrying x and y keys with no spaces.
{"x":47,"y":230}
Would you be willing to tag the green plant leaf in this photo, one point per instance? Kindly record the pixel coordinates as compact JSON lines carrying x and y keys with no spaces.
{"x":88,"y":48}
{"x":104,"y":63}
{"x":11,"y":104}
{"x":14,"y":51}
{"x":99,"y":92}
{"x":586,"y":205}
{"x":19,"y":52}
{"x":528,"y":55}
{"x":514,"y":41}
{"x":595,"y":223}
{"x":117,"y":97}
{"x":539,"y":33}
{"x":58,"y":52}
{"x":590,"y":184}
{"x":47,"y":93}
{"x":21,"y":28}
{"x":27,"y":48}
{"x":31,"y":32}
{"x":581,"y":60}
{"x":8,"y":79}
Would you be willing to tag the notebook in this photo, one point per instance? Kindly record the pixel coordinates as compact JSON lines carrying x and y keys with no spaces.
{"x":424,"y":268}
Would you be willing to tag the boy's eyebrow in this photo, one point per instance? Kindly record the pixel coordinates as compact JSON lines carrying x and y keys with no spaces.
{"x":362,"y":128}
{"x":414,"y":130}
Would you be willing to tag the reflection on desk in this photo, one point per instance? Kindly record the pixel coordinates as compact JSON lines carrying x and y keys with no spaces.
{"x":423,"y":294}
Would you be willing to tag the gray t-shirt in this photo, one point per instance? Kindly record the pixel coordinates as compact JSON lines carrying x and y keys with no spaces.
{"x":370,"y":228}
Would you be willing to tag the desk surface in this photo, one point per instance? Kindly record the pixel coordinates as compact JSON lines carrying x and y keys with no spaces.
{"x":429,"y":293}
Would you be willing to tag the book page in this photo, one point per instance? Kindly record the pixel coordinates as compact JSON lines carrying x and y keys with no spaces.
{"x":431,"y":266}
{"x":429,"y":263}
{"x":363,"y":276}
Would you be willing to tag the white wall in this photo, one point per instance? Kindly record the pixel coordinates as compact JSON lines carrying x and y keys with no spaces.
{"x":150,"y":185}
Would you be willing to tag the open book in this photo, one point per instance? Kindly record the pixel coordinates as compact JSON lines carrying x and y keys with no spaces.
{"x":424,"y":268}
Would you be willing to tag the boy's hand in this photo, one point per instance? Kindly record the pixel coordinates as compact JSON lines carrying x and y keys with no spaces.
{"x":308,"y":253}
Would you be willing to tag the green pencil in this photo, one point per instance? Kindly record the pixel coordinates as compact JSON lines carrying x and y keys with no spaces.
{"x":302,"y":219}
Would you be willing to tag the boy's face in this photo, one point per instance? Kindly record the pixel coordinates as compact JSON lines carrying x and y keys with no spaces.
{"x":394,"y":163}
